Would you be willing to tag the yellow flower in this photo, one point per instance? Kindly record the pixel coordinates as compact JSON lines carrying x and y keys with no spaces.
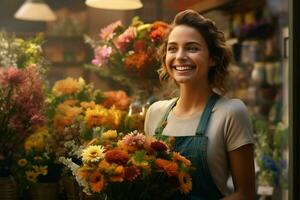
{"x":92,"y":153}
{"x":110,"y":134}
{"x":185,"y":182}
{"x":96,"y":116}
{"x":114,"y":117}
{"x":22,"y":162}
{"x":40,"y":169}
{"x":86,"y":105}
{"x":68,"y":86}
{"x":31,"y":176}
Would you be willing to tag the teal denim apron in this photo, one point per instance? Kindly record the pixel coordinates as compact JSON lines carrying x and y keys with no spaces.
{"x":195,"y":149}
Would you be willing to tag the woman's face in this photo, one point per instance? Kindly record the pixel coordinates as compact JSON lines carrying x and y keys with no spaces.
{"x":187,"y":58}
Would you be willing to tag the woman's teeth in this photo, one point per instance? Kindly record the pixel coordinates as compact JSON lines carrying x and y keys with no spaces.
{"x":183,"y":68}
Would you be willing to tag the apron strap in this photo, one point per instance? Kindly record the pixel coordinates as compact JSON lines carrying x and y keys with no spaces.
{"x":163,"y":122}
{"x":201,"y":129}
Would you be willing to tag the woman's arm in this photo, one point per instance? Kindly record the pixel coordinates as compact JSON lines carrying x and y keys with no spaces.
{"x":243,"y":174}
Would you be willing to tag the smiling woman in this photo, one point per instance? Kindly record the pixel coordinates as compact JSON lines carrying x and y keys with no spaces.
{"x":211,"y":130}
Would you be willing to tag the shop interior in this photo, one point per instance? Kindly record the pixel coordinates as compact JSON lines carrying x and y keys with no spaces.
{"x":257,"y":32}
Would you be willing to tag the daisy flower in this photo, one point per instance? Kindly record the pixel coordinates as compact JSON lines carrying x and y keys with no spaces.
{"x":93,"y":153}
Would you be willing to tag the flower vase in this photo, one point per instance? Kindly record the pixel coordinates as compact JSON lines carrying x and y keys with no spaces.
{"x":137,"y":113}
{"x":44,"y":191}
{"x":8,"y":188}
{"x":71,"y":188}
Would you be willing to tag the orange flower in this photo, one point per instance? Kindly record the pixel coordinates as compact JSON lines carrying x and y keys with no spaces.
{"x":171,"y":168}
{"x":119,"y":174}
{"x":104,"y":165}
{"x":84,"y":173}
{"x":178,"y":157}
{"x":185,"y":181}
{"x":96,"y":181}
{"x":119,"y":99}
{"x":158,"y":30}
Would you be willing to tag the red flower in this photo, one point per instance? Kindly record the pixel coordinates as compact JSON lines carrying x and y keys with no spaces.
{"x":158,"y":146}
{"x":117,"y":156}
{"x":131,"y":173}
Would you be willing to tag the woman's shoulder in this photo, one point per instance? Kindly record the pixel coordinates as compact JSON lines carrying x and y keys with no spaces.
{"x":230,"y":105}
{"x":161,"y":106}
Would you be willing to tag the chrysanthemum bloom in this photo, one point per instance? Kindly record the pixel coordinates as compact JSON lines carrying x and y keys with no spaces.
{"x":125,"y":38}
{"x":96,"y":181}
{"x":22,"y":162}
{"x":178,"y":157}
{"x":110,"y":134}
{"x":104,"y":166}
{"x":107,"y":32}
{"x":119,"y":99}
{"x":114,"y":117}
{"x":132,"y":172}
{"x":96,"y":116}
{"x":157,"y":31}
{"x":117,"y":156}
{"x":134,"y":139}
{"x":119,"y":174}
{"x":139,"y":63}
{"x":92,"y":153}
{"x":171,"y":168}
{"x":158,"y":146}
{"x":68,"y":86}
{"x":185,"y":181}
{"x":31,"y":176}
{"x":87,"y":105}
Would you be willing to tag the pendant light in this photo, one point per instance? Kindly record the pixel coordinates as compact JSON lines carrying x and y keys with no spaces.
{"x":115,"y":4}
{"x":35,"y":10}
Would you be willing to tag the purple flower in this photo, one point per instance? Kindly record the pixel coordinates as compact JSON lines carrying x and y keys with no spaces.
{"x":101,"y":55}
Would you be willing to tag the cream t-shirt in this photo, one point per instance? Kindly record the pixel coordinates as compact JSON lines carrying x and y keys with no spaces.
{"x":229,"y":128}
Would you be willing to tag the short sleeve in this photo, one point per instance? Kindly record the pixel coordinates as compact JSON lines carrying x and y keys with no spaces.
{"x":147,"y":118}
{"x":238,"y":129}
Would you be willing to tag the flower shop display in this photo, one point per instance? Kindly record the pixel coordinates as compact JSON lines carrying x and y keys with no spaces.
{"x":269,"y":153}
{"x":37,"y":165}
{"x":131,"y":166}
{"x":21,"y":94}
{"x":129,"y":54}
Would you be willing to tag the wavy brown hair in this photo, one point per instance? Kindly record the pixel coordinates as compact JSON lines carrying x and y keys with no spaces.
{"x":216,"y":44}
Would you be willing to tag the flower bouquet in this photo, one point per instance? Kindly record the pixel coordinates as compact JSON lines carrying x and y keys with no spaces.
{"x":129,"y":55}
{"x":131,"y":166}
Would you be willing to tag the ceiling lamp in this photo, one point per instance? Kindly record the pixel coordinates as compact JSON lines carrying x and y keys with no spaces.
{"x":35,"y":10}
{"x":115,"y":4}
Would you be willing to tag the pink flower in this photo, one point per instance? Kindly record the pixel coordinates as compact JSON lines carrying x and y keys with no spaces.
{"x":107,"y":32}
{"x":101,"y":55}
{"x":125,"y":38}
{"x":134,"y":139}
{"x":11,"y":76}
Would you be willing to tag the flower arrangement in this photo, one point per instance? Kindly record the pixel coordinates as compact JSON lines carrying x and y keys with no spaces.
{"x":78,"y":113}
{"x":20,"y":53}
{"x":129,"y":54}
{"x":21,"y":107}
{"x":37,"y":163}
{"x":131,"y":166}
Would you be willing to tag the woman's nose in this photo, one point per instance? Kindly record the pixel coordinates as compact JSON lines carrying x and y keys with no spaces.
{"x":181,"y":55}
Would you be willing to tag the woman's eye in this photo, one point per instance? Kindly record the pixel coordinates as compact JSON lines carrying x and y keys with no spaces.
{"x":192,"y":48}
{"x":171,"y":49}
